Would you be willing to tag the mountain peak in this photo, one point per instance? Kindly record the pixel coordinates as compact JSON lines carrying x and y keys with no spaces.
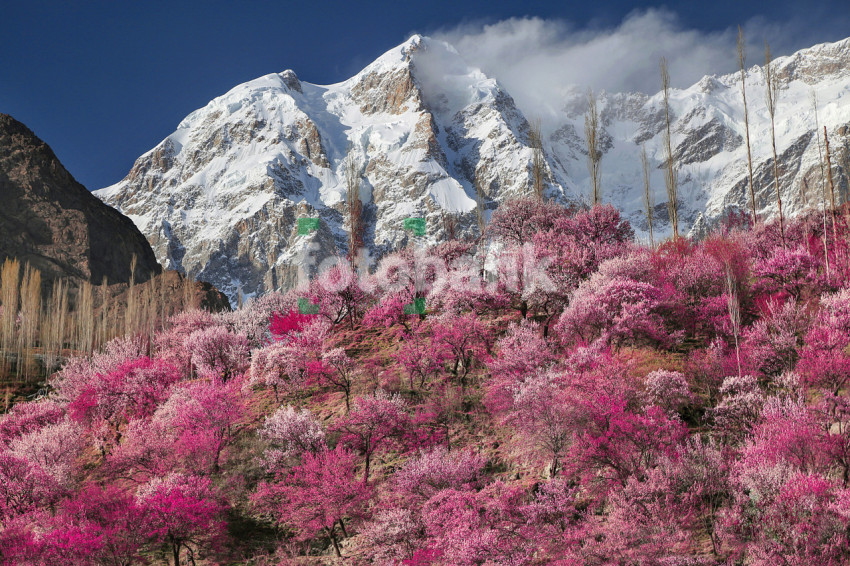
{"x":290,"y":79}
{"x":220,"y":198}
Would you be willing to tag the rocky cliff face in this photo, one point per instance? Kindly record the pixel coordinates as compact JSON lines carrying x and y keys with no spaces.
{"x":52,"y":222}
{"x":221,"y":197}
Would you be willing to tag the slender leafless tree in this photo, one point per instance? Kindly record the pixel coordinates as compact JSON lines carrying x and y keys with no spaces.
{"x":594,"y":155}
{"x":84,"y":315}
{"x":814,"y":100}
{"x":734,"y":309}
{"x":671,"y":176}
{"x":771,"y":91}
{"x":9,"y":287}
{"x":648,"y":195}
{"x":353,"y":172}
{"x":535,"y":141}
{"x":132,"y":302}
{"x":829,"y":175}
{"x":30,"y":315}
{"x":479,"y":206}
{"x":742,"y":62}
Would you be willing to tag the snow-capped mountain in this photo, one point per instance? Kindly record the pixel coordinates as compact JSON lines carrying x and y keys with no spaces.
{"x":220,"y":198}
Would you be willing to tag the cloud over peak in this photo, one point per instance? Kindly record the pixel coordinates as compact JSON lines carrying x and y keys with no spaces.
{"x":539,"y":60}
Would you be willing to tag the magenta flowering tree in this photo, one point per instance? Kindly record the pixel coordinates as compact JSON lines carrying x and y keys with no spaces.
{"x":291,"y":433}
{"x":376,"y":422}
{"x":739,"y":409}
{"x":339,"y":295}
{"x":436,"y":469}
{"x":317,"y":496}
{"x":601,"y":227}
{"x":281,"y":366}
{"x":171,"y":343}
{"x":542,"y":411}
{"x":285,"y":365}
{"x":336,"y":370}
{"x":772,"y":344}
{"x":133,"y":390}
{"x":614,"y":443}
{"x":466,"y":287}
{"x":389,"y":311}
{"x":282,"y":325}
{"x":205,"y":418}
{"x":421,"y":358}
{"x":790,"y":434}
{"x":24,"y":488}
{"x":96,"y":526}
{"x":668,"y":389}
{"x":677,"y":502}
{"x":788,"y":270}
{"x":516,"y":221}
{"x":218,"y":353}
{"x":465,"y":339}
{"x":549,"y":250}
{"x":29,"y":417}
{"x":521,"y":352}
{"x":53,"y":448}
{"x":182,"y":513}
{"x":797,"y":518}
{"x":396,"y":535}
{"x":255,"y":318}
{"x":470,"y":527}
{"x":824,"y":360}
{"x":80,"y":373}
{"x":615,"y":312}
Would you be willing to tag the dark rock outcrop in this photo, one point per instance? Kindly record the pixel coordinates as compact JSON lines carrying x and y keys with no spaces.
{"x":52,"y":222}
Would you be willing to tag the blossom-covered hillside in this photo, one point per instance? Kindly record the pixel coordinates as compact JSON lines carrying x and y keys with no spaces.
{"x":574,"y":399}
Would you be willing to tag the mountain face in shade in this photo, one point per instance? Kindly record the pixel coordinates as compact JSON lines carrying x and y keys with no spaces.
{"x":52,"y":222}
{"x":220,"y":198}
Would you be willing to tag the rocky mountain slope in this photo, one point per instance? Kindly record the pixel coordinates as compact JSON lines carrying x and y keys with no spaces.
{"x":220,"y":198}
{"x":54,"y":223}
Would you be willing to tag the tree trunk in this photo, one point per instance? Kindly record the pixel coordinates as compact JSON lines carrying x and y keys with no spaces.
{"x":366,"y":466}
{"x":332,"y":533}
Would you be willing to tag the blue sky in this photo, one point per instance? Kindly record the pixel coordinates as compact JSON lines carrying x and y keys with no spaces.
{"x":103,"y":82}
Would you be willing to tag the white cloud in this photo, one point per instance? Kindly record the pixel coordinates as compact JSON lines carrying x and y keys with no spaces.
{"x":537,"y":60}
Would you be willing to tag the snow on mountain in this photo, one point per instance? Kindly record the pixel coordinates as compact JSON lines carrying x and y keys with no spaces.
{"x":220,"y":197}
{"x":709,"y":139}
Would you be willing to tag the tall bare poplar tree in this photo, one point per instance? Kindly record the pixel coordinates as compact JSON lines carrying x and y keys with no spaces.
{"x":105,"y":331}
{"x":535,"y":141}
{"x":771,"y":91}
{"x":54,"y":321}
{"x":9,"y":286}
{"x":594,"y":156}
{"x":670,"y":176}
{"x":29,"y":318}
{"x":742,"y":62}
{"x":353,"y":172}
{"x":479,"y":206}
{"x":734,"y":308}
{"x":814,"y":99}
{"x":132,"y":303}
{"x":648,"y":196}
{"x":84,"y":315}
{"x":829,"y":176}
